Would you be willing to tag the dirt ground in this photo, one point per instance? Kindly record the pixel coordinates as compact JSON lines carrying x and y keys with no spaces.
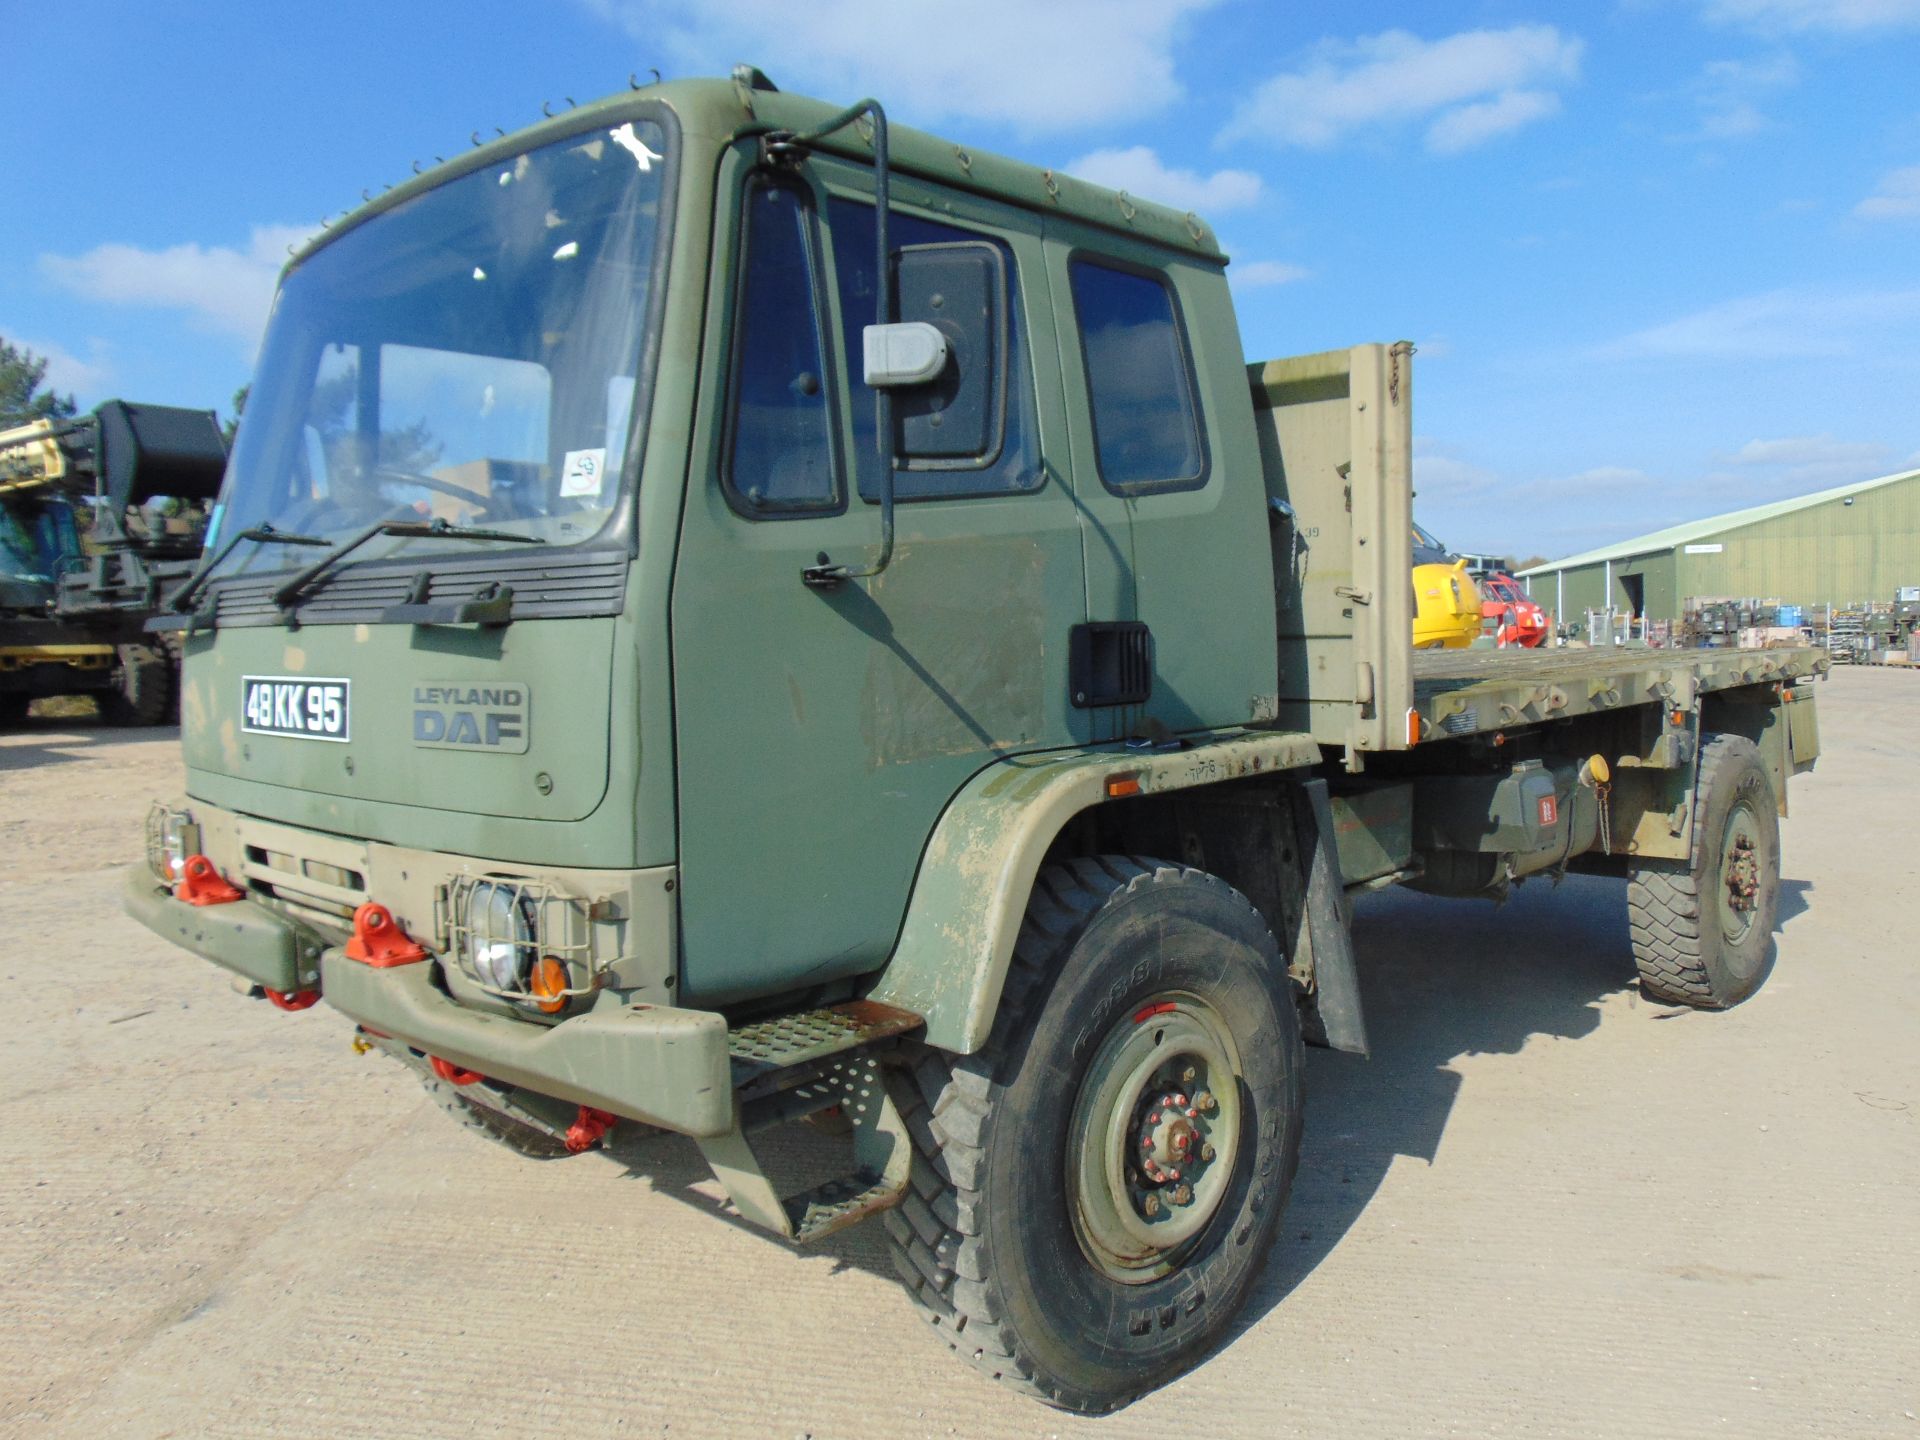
{"x":1544,"y":1207}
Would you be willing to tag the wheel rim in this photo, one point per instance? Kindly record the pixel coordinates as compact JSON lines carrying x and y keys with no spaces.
{"x":1154,"y":1137}
{"x":1742,"y":873}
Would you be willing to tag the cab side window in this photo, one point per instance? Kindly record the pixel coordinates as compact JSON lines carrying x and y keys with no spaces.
{"x":780,"y":453}
{"x":1016,"y":466}
{"x":1146,"y":426}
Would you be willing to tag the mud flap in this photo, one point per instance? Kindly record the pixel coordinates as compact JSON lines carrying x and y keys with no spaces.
{"x":1332,"y":1017}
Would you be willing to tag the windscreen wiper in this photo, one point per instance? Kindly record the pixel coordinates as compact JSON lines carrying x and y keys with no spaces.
{"x":288,"y":594}
{"x":182,"y":599}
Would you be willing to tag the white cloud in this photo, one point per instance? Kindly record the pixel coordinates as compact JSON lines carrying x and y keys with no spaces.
{"x":67,"y":372}
{"x":1793,"y":324}
{"x":1836,"y":16}
{"x":225,"y":289}
{"x":1256,"y":274}
{"x":1471,"y":125}
{"x":1813,"y":462}
{"x":1729,"y":95}
{"x":1054,"y":65}
{"x":1139,"y":172}
{"x":1470,"y":86}
{"x":1898,"y":197}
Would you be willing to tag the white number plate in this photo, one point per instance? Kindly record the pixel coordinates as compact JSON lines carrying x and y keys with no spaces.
{"x":291,"y":705}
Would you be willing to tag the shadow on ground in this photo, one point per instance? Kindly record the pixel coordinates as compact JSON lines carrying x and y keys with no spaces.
{"x":35,"y":742}
{"x":1440,"y":979}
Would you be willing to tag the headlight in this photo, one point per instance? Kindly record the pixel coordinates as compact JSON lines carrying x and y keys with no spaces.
{"x":171,"y":837}
{"x":500,"y":941}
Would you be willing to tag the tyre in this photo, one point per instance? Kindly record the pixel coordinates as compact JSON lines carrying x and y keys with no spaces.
{"x":1095,"y":1192}
{"x":13,"y":710}
{"x":517,"y":1136}
{"x":143,"y":688}
{"x":1703,"y":928}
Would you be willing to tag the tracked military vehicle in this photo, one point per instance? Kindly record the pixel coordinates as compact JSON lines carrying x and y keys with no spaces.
{"x":731,"y":611}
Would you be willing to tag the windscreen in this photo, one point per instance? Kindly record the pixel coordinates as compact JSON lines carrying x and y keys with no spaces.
{"x":468,"y":356}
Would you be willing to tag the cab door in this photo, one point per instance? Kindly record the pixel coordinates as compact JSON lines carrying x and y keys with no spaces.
{"x":820,"y":731}
{"x":1168,"y":471}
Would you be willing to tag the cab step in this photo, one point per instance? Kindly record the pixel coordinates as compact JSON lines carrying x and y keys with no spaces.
{"x":782,"y":1042}
{"x":831,"y":1077}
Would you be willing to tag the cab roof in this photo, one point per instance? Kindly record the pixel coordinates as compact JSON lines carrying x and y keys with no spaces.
{"x":717,"y":109}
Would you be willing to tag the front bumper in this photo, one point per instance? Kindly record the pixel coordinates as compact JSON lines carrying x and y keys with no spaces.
{"x":654,"y":1063}
{"x":244,"y":937}
{"x":657,"y":1064}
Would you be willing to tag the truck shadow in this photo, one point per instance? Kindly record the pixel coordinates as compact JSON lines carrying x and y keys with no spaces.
{"x":1440,"y":979}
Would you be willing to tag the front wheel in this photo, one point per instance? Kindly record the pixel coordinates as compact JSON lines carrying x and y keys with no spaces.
{"x":1097,"y":1189}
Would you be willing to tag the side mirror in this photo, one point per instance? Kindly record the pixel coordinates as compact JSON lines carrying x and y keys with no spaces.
{"x":956,"y":414}
{"x":908,"y":352}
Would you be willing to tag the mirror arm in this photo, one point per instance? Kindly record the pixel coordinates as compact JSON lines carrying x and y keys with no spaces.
{"x":826,"y":575}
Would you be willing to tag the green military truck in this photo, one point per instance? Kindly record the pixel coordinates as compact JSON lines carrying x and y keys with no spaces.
{"x":805,"y":620}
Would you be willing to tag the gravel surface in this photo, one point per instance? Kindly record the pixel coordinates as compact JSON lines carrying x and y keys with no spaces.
{"x":1544,"y":1207}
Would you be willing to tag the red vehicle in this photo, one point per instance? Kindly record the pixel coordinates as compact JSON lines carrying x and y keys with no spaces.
{"x":1514,"y":617}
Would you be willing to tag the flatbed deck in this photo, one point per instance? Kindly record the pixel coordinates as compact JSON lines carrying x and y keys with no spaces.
{"x":1474,"y":692}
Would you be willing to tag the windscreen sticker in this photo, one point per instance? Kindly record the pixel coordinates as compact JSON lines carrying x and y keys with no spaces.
{"x":625,"y":138}
{"x":583,"y":473}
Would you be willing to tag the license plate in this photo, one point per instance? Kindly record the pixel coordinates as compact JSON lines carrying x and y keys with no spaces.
{"x":294,"y":706}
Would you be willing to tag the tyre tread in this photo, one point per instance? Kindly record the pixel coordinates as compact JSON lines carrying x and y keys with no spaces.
{"x":1666,"y":912}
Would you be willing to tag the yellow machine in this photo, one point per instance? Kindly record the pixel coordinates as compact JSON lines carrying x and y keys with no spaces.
{"x":1446,"y":606}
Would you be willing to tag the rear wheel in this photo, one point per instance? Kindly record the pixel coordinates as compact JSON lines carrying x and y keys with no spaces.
{"x":13,"y":710}
{"x":1097,"y":1189}
{"x":142,"y":693}
{"x":1703,"y":928}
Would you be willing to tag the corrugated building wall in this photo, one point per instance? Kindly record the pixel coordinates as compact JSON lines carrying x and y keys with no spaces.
{"x":1851,"y":543}
{"x":1832,"y":551}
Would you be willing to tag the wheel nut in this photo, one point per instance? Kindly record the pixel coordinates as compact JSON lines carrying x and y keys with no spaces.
{"x":1183,"y":1196}
{"x":1187,"y":1075}
{"x":1150,"y":1206}
{"x":1206,"y":1102}
{"x":1206,"y":1152}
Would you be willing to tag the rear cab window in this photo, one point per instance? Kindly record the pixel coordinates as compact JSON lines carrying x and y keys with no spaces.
{"x":1146,"y":418}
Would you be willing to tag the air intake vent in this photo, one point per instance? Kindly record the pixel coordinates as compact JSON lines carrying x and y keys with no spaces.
{"x":1110,"y":662}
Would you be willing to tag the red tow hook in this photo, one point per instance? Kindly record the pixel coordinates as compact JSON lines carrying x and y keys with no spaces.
{"x":201,"y":883}
{"x":379,"y":941}
{"x":296,"y":1000}
{"x":589,"y":1129}
{"x":452,"y":1073}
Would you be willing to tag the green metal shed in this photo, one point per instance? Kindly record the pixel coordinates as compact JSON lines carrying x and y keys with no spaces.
{"x":1851,"y":543}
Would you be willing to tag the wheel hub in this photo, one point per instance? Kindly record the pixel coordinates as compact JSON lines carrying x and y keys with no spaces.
{"x":1155,"y":1132}
{"x":1743,"y":874}
{"x":1172,"y":1139}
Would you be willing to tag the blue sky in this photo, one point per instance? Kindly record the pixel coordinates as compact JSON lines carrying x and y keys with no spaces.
{"x":1661,"y":257}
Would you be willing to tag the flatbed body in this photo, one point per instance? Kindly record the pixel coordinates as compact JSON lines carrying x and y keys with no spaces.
{"x":1478,"y":692}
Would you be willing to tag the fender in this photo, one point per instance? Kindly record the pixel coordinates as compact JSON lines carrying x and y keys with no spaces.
{"x":979,"y":866}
